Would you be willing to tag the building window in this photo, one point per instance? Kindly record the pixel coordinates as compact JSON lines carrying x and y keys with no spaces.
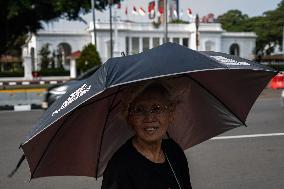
{"x":176,"y":40}
{"x":135,"y":45}
{"x":63,"y":51}
{"x":209,"y":46}
{"x":127,"y":45}
{"x":146,"y":42}
{"x":185,"y":42}
{"x":235,"y":49}
{"x":156,"y":41}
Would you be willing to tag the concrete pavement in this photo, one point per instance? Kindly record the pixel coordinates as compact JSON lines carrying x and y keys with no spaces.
{"x":241,"y":163}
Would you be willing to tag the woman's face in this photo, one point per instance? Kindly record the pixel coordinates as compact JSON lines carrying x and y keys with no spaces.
{"x":150,"y":116}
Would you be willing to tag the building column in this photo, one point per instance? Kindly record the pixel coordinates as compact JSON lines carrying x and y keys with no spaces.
{"x":161,"y":40}
{"x":28,"y":68}
{"x":130,"y":45}
{"x":73,"y":73}
{"x":150,"y":42}
{"x":140,"y":45}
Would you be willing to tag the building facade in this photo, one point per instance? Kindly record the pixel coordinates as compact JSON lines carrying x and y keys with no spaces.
{"x":132,"y":38}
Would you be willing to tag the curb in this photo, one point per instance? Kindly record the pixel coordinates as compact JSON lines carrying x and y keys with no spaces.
{"x":14,"y":83}
{"x":21,"y":107}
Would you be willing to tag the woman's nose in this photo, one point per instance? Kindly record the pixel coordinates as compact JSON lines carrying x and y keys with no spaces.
{"x":149,"y":116}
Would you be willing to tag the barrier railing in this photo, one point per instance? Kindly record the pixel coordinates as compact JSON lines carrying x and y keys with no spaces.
{"x":277,"y":82}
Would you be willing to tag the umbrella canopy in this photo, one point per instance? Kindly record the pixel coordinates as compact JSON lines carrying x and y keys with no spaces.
{"x":80,"y":132}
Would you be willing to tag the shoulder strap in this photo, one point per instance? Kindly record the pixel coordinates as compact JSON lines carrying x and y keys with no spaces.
{"x":173,"y":171}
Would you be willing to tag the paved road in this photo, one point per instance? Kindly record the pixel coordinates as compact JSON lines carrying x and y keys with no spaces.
{"x":240,"y":163}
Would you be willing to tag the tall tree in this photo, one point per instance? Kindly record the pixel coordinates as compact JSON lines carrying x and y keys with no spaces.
{"x":268,"y":27}
{"x":233,"y":20}
{"x":44,"y":53}
{"x":88,"y":58}
{"x":19,"y":17}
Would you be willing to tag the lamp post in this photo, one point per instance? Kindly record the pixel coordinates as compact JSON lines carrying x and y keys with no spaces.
{"x":166,"y":20}
{"x":110,"y":25}
{"x":94,"y":21}
{"x":197,"y":31}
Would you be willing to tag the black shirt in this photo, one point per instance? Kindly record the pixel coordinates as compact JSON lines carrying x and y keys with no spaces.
{"x":130,"y":169}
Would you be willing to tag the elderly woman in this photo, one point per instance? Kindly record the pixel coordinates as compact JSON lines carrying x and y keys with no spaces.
{"x":149,"y":160}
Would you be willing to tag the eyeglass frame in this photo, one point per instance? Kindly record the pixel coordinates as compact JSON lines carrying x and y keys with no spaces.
{"x":162,"y":109}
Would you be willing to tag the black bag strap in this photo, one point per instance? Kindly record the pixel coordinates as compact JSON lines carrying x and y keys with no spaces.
{"x":173,"y":171}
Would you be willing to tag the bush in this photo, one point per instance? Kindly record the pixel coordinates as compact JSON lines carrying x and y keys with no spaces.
{"x":12,"y":74}
{"x":54,"y":72}
{"x":89,"y":58}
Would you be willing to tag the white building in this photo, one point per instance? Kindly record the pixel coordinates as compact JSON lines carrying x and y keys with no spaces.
{"x":133,"y":38}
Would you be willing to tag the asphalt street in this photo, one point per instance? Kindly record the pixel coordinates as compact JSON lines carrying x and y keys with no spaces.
{"x":230,"y":163}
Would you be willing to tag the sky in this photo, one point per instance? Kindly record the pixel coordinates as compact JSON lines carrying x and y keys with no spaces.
{"x":200,"y":7}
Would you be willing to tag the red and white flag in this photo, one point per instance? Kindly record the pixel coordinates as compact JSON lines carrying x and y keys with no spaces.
{"x":142,"y":11}
{"x":189,"y":12}
{"x":134,"y":10}
{"x":161,"y":6}
{"x":118,"y":5}
{"x":151,"y":9}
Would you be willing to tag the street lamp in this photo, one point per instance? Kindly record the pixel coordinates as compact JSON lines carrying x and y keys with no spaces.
{"x":110,"y":23}
{"x":197,"y":31}
{"x":94,"y":20}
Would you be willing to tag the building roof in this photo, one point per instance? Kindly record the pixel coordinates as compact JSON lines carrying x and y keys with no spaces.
{"x":74,"y":55}
{"x":9,"y":59}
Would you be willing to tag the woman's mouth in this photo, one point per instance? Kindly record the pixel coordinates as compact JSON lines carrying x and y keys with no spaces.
{"x":151,"y":129}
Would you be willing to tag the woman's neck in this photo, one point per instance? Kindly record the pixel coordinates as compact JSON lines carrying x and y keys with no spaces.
{"x":151,"y":151}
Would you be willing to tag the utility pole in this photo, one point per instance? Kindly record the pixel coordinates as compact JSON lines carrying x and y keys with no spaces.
{"x":177,"y":1}
{"x":166,"y":20}
{"x":94,"y":21}
{"x":197,"y":31}
{"x":110,"y":24}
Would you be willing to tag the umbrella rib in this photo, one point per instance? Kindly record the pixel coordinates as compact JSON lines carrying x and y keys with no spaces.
{"x":48,"y":145}
{"x":203,"y":87}
{"x":115,"y":93}
{"x":106,"y":120}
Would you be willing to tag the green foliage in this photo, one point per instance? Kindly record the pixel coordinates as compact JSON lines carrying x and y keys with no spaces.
{"x":233,"y":20}
{"x":88,"y":58}
{"x":19,"y":17}
{"x":54,"y":72}
{"x":44,"y":56}
{"x":12,"y":74}
{"x":179,"y":22}
{"x":268,"y":27}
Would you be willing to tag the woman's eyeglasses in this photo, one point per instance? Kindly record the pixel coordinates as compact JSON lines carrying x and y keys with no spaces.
{"x":139,"y":110}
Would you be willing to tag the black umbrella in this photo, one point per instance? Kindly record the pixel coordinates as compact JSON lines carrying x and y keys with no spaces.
{"x":80,"y":132}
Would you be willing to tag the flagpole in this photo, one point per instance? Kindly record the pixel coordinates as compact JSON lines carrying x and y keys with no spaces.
{"x":94,"y":21}
{"x":197,"y":31}
{"x":166,"y":20}
{"x":110,"y":24}
{"x":177,"y":1}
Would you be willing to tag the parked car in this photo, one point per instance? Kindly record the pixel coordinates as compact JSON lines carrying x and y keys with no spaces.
{"x":56,"y":91}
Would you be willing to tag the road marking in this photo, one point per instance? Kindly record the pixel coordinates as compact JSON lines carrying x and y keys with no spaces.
{"x":12,"y":111}
{"x":247,"y":136}
{"x":23,"y":90}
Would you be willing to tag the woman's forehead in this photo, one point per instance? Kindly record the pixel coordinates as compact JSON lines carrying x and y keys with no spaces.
{"x":150,"y":97}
